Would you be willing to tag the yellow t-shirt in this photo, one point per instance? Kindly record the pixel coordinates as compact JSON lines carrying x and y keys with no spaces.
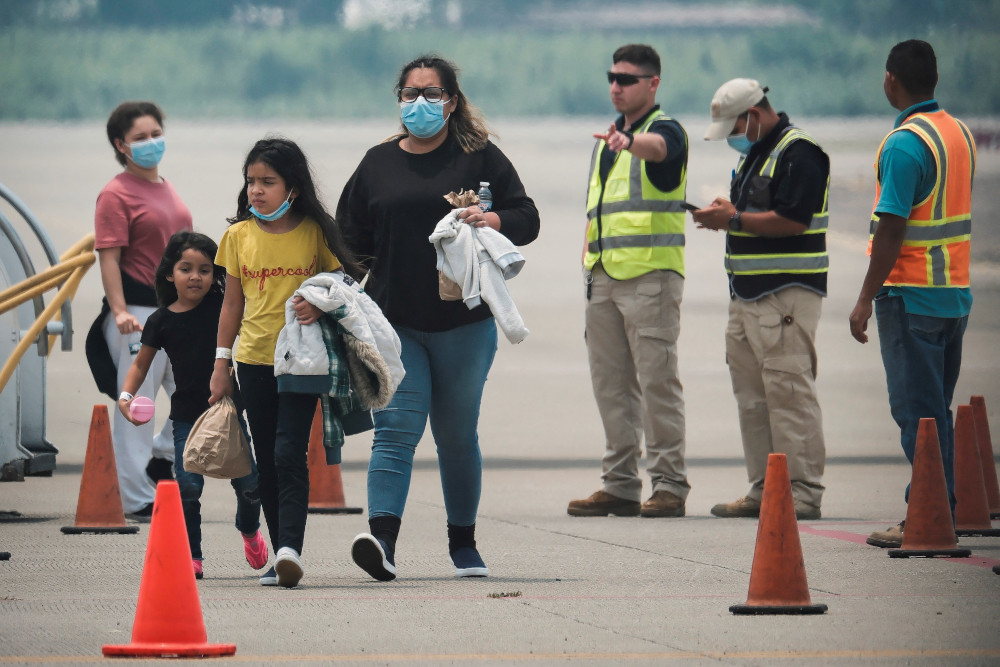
{"x":270,"y":268}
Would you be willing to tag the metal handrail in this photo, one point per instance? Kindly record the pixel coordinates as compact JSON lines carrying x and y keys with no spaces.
{"x":66,"y":275}
{"x":50,"y":254}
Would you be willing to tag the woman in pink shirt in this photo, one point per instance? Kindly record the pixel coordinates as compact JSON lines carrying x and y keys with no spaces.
{"x":137,"y":213}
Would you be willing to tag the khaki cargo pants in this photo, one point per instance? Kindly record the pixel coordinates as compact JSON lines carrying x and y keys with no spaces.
{"x":632,"y":328}
{"x":771,"y":352}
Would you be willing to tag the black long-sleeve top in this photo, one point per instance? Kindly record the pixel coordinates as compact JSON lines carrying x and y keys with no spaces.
{"x":392,"y":203}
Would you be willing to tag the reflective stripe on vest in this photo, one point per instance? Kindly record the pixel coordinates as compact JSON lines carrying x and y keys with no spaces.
{"x":782,"y":260}
{"x":935,"y":250}
{"x":820,"y":219}
{"x":760,"y":264}
{"x":633,"y":228}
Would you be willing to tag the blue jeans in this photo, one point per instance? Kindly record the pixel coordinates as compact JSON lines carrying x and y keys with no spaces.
{"x":191,"y":485}
{"x":445,"y":375}
{"x":922,"y":357}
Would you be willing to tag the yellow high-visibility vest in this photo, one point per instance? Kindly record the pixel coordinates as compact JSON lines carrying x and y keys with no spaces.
{"x":760,"y":265}
{"x":633,"y":227}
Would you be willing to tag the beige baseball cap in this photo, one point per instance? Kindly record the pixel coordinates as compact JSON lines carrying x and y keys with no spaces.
{"x":730,"y":100}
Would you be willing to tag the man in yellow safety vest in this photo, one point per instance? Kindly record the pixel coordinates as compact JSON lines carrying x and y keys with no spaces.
{"x":634,"y":274}
{"x":775,"y":223}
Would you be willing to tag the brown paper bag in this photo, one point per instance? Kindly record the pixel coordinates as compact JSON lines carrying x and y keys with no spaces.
{"x":216,"y":446}
{"x":448,"y":289}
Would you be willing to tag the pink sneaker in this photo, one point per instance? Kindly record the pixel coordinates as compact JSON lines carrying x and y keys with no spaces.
{"x":198,"y":571}
{"x":255,"y":549}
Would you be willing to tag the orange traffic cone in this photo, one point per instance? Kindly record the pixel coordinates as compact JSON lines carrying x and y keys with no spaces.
{"x":972,"y":513}
{"x":986,"y":455}
{"x":326,"y":490}
{"x":929,"y":528}
{"x":778,"y":575}
{"x":168,"y":621}
{"x":99,"y":508}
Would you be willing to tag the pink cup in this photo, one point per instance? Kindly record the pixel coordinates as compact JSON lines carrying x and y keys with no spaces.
{"x":141,"y":409}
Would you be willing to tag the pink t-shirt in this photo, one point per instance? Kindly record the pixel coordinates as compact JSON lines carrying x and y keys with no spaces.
{"x":139,"y":217}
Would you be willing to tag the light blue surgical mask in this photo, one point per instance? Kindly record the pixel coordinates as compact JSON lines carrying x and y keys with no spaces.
{"x":278,"y":212}
{"x":741,"y":142}
{"x":147,"y":154}
{"x":422,"y":119}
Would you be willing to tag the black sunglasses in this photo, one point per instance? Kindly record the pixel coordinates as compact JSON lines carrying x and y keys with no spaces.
{"x":627,"y":79}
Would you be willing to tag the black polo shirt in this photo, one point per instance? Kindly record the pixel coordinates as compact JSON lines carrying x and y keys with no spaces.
{"x":799,"y":182}
{"x":666,"y":175}
{"x":795,"y":192}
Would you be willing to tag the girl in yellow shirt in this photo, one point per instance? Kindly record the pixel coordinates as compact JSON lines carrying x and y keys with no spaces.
{"x":281,"y":235}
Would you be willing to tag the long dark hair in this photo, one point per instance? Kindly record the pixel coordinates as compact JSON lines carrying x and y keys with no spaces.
{"x":466,"y":122}
{"x":166,"y":291}
{"x":288,"y":160}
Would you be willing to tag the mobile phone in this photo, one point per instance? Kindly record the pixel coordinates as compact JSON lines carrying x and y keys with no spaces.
{"x":689,"y":207}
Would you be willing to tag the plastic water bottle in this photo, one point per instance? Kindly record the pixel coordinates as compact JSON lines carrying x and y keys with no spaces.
{"x":485,"y":196}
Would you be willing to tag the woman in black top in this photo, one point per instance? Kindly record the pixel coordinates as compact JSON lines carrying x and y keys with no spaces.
{"x":387,"y":211}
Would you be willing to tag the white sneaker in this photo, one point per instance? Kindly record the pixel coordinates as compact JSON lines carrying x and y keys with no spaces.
{"x":288,"y":567}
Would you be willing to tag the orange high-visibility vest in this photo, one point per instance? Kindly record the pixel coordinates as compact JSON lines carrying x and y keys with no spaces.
{"x":935,"y":250}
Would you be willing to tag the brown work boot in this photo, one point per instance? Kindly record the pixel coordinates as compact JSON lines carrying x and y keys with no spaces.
{"x":804,"y":512}
{"x":602,"y":503}
{"x":662,"y":504}
{"x":890,"y":538}
{"x":744,"y":507}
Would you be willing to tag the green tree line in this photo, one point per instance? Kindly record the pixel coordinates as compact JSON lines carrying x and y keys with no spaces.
{"x":79,"y":68}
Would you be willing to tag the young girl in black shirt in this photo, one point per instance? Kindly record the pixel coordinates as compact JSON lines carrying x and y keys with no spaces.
{"x":189,"y":289}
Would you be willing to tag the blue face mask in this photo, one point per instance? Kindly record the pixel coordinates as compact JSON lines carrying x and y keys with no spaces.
{"x":278,"y":212}
{"x":147,"y":154}
{"x":741,"y":143}
{"x":422,"y":119}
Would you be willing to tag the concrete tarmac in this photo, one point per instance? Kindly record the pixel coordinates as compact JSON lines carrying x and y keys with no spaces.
{"x":561,"y":589}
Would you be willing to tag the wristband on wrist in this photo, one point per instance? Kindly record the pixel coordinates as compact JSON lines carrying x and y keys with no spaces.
{"x":223,"y":353}
{"x":125,"y":396}
{"x":631,"y":138}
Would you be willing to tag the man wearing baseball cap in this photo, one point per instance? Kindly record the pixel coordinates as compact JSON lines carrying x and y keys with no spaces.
{"x":775,"y":222}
